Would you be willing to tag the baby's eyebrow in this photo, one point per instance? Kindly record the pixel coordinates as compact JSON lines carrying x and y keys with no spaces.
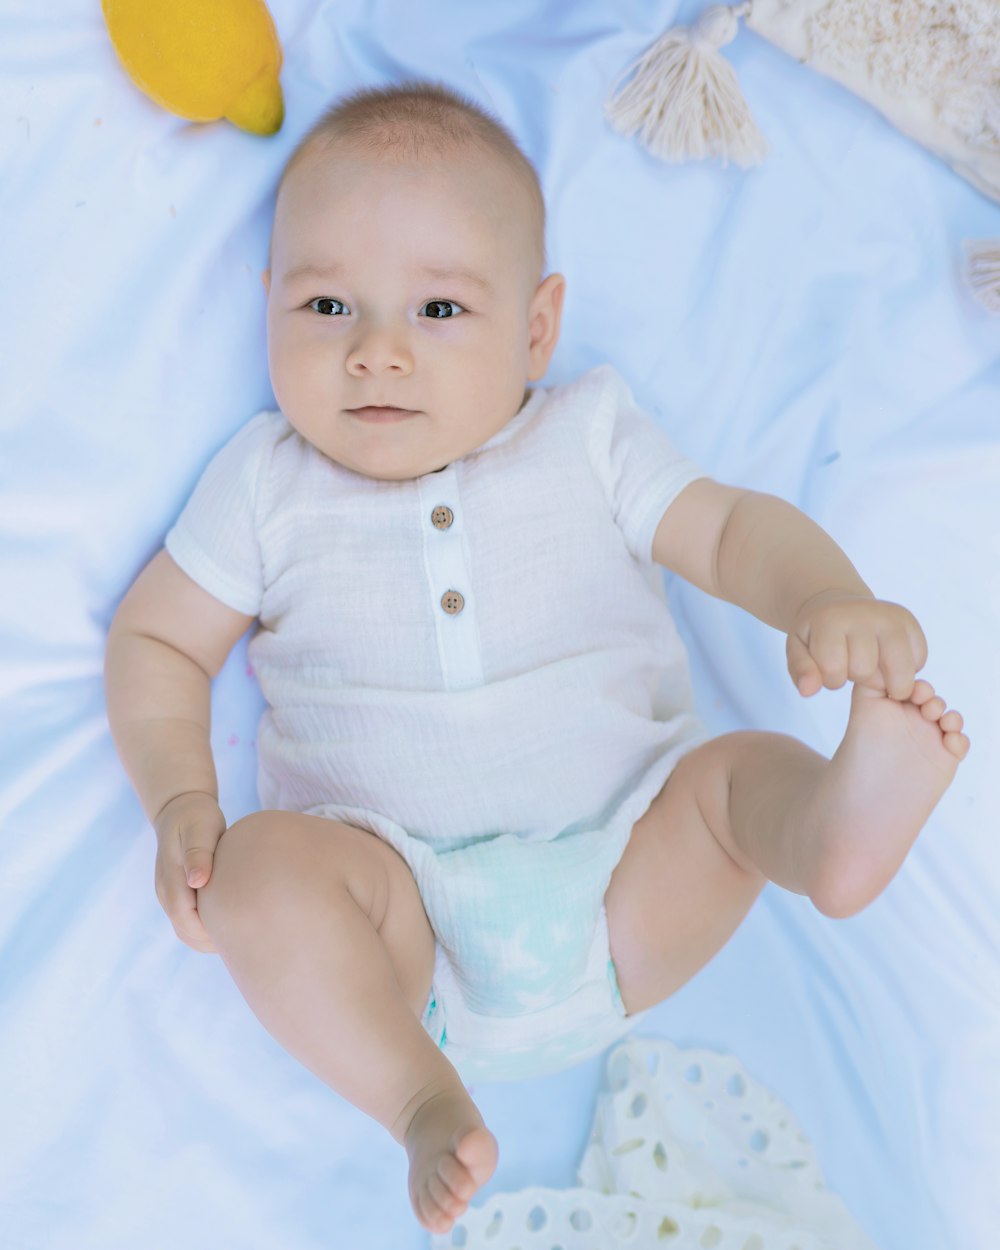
{"x":450,"y":272}
{"x":447,"y":272}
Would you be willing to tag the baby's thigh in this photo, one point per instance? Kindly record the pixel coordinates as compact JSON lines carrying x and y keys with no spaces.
{"x":274,"y":862}
{"x":677,"y":895}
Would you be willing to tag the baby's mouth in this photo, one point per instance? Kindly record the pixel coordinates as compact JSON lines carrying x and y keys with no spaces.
{"x":371,"y":413}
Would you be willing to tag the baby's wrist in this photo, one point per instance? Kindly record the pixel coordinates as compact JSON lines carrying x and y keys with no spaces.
{"x":834,"y":594}
{"x":185,"y":797}
{"x":823,"y":598}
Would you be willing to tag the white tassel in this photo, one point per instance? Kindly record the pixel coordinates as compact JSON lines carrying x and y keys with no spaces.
{"x":982,"y":271}
{"x":686,"y":96}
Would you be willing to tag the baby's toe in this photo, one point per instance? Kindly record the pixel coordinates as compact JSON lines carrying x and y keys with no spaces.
{"x":957,"y":744}
{"x":922,"y":691}
{"x":952,"y":721}
{"x":443,"y":1196}
{"x":456,"y":1176}
{"x":478,"y":1151}
{"x":933,"y":709}
{"x":431,"y":1216}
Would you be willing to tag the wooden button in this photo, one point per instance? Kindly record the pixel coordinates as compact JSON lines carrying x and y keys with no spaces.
{"x":452,"y":602}
{"x":442,"y":517}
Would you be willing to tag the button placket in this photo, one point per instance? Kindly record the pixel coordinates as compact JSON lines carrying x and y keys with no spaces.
{"x":448,"y":579}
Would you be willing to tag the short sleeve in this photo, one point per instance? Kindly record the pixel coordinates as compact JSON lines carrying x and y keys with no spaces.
{"x":215,"y":538}
{"x":641,"y":469}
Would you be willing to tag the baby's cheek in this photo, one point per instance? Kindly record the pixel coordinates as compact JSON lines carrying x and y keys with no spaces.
{"x":298,"y":361}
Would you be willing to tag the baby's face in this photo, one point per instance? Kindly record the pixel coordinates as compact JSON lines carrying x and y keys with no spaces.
{"x":356,"y":318}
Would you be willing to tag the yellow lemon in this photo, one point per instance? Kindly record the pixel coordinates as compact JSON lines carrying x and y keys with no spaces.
{"x":202,"y":59}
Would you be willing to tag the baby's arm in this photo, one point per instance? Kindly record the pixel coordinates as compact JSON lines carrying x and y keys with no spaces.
{"x":766,"y":556}
{"x":168,"y":640}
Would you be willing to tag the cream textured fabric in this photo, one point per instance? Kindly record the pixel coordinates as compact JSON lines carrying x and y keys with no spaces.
{"x":550,"y":709}
{"x":932,"y":67}
{"x":687,"y":1151}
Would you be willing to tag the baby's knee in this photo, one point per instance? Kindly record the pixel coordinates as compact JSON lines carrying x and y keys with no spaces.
{"x":241,"y":866}
{"x":735,"y":772}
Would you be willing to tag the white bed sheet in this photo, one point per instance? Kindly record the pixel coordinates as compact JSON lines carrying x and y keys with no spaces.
{"x":800,"y":328}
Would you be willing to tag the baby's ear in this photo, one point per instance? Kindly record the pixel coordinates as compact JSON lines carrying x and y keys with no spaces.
{"x":265,"y":277}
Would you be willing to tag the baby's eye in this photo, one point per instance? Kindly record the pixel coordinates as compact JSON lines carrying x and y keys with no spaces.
{"x":441,"y":303}
{"x":324,"y":305}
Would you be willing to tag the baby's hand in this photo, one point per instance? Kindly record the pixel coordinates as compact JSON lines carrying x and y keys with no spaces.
{"x":187,"y":833}
{"x":839,"y":637}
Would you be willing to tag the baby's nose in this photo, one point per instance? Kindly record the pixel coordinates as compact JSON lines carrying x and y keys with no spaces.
{"x":380,"y":350}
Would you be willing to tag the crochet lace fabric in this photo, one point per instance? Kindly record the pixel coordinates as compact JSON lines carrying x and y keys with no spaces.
{"x":687,"y":1152}
{"x":945,"y":51}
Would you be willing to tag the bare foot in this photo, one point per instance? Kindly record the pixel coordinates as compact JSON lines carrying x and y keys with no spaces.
{"x":896,"y":761}
{"x":451,"y":1153}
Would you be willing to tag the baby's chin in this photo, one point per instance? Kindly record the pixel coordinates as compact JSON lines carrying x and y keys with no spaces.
{"x":401,"y":475}
{"x":388,"y":467}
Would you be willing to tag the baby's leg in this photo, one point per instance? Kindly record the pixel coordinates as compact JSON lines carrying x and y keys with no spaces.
{"x":750,"y":807}
{"x":322,"y":928}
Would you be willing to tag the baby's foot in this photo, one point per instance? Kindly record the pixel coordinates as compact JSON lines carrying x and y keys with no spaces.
{"x":451,"y":1153}
{"x":896,"y":761}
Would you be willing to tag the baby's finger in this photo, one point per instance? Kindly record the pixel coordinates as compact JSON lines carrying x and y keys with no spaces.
{"x":189,"y":928}
{"x":802,"y":667}
{"x":180,"y":903}
{"x":829,"y":650}
{"x":199,"y":835}
{"x":863,"y":659}
{"x":917,"y":639}
{"x":897,"y":664}
{"x":198,"y":866}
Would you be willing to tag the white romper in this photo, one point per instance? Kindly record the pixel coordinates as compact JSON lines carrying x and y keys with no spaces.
{"x":479,"y":666}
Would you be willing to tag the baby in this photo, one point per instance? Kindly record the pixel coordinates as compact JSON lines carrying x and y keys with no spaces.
{"x":494,"y":832}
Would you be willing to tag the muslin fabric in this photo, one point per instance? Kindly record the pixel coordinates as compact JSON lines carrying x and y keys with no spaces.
{"x":550,"y":708}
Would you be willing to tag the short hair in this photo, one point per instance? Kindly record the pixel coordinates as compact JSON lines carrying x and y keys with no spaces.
{"x":404,"y":120}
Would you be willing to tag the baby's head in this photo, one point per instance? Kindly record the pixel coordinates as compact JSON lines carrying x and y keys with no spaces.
{"x":387,"y":187}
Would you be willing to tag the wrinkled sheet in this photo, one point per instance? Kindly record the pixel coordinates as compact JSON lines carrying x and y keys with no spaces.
{"x":800,"y":328}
